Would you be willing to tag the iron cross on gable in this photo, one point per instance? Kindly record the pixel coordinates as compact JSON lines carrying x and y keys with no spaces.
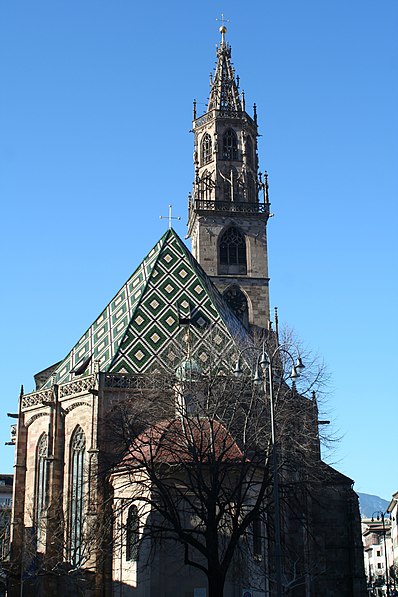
{"x":170,"y":217}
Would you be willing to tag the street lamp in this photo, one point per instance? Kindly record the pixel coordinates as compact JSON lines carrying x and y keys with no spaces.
{"x":381,"y":515}
{"x":264,"y":362}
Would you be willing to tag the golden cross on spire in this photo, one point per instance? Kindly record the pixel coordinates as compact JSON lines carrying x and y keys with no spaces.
{"x":223,"y":28}
{"x":223,"y":20}
{"x":170,"y":217}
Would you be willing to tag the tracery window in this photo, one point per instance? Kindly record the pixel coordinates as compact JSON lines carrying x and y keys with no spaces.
{"x":230,"y":145}
{"x":229,"y":184}
{"x":206,"y":185}
{"x":206,"y":149}
{"x":76,"y":495}
{"x":40,"y":482}
{"x":237,"y":302}
{"x":232,"y":252}
{"x":249,"y":151}
{"x":251,"y":188}
{"x":132,"y":534}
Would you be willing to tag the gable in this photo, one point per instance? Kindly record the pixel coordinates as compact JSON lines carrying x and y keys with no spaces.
{"x":141,"y":328}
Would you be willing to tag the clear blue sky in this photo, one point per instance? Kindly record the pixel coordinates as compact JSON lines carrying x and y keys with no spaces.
{"x":95,"y":113}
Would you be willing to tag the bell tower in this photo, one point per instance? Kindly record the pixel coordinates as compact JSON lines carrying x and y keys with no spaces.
{"x":229,"y":207}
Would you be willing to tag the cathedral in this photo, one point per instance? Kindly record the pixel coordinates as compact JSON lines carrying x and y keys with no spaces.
{"x":121,"y":445}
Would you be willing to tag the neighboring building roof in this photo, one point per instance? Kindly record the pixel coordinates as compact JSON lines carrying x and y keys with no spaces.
{"x":6,"y":483}
{"x":142,"y":323}
{"x":6,"y":479}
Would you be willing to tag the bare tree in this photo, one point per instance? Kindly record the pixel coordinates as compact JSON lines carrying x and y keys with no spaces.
{"x":197,"y":459}
{"x":48,"y":559}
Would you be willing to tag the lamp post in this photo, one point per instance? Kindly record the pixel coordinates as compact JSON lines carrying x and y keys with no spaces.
{"x":381,"y":515}
{"x":265,"y":362}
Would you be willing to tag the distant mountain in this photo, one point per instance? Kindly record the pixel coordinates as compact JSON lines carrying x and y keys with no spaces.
{"x":369,"y":504}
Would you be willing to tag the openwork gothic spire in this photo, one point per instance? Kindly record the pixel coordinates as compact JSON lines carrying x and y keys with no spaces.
{"x":224,"y":94}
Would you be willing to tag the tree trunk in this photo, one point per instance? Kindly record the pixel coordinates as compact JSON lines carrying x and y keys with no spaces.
{"x":216,"y":582}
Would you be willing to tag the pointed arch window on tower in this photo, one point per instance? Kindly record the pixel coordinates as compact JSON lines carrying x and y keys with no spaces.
{"x":251,"y":189}
{"x":206,"y":149}
{"x":237,"y":302}
{"x":76,"y":495}
{"x":40,"y":482}
{"x":205,"y":186}
{"x":229,"y":177}
{"x":132,"y":534}
{"x":249,"y":151}
{"x":232,"y":252}
{"x":230,"y":145}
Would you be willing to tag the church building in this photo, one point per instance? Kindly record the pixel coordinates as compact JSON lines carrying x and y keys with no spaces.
{"x":84,"y":510}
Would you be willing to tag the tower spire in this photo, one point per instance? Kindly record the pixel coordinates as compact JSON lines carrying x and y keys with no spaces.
{"x":227,"y":218}
{"x":224,"y":94}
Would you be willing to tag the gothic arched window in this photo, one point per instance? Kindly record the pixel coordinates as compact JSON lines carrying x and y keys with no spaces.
{"x":132,"y":534}
{"x":237,"y":302}
{"x":76,"y":495}
{"x":251,"y":188}
{"x":230,"y":145}
{"x":249,"y":151}
{"x":40,"y":482}
{"x":206,"y":149}
{"x":232,"y":252}
{"x":206,"y":185}
{"x":229,"y":184}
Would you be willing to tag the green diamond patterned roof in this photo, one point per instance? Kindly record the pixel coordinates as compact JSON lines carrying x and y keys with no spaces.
{"x":140,"y":328}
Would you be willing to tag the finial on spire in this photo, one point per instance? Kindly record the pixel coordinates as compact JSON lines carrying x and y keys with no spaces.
{"x":194,"y":109}
{"x":223,"y":28}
